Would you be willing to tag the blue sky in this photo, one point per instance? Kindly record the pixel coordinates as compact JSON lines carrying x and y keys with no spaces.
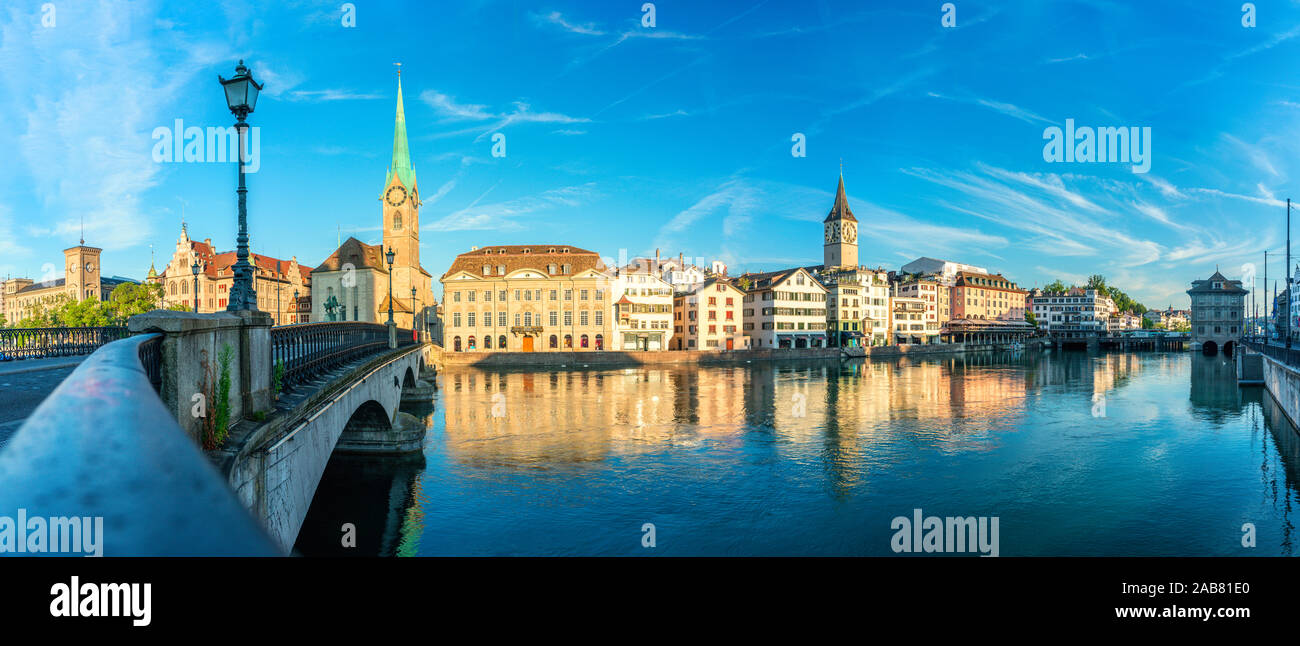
{"x":678,"y":136}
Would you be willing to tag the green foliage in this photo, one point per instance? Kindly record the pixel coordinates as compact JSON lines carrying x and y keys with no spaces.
{"x":1031,"y":319}
{"x":126,"y":300}
{"x":277,"y":376}
{"x":1123,"y":303}
{"x":221,"y":425}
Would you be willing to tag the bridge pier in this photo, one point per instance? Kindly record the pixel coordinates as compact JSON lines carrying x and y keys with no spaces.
{"x":191,"y":363}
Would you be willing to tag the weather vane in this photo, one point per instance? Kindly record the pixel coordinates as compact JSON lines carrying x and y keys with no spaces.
{"x":399,"y":68}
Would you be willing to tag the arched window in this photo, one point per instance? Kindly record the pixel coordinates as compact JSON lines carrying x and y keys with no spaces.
{"x":455,"y":344}
{"x":487,"y":343}
{"x":470,"y":346}
{"x":185,"y":287}
{"x":397,"y":221}
{"x":568,"y":341}
{"x":555,"y":342}
{"x":583,"y":341}
{"x":173,"y":290}
{"x":501,"y":342}
{"x":600,"y":342}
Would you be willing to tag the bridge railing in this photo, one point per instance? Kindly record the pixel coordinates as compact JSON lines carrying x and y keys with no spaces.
{"x":1289,"y":356}
{"x":43,"y":342}
{"x":307,"y":350}
{"x":101,"y":445}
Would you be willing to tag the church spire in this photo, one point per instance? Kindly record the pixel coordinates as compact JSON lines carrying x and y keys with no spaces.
{"x":840,"y":210}
{"x":401,"y":164}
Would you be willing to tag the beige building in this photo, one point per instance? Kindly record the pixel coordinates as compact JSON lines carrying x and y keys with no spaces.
{"x":527,"y":298}
{"x":710,"y":318}
{"x":987,"y":296}
{"x":276,"y":281}
{"x":24,"y":298}
{"x":353,"y":284}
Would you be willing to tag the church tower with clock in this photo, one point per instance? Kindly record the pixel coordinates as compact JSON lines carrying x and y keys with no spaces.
{"x":401,"y":208}
{"x":840,"y":233}
{"x":82,"y":279}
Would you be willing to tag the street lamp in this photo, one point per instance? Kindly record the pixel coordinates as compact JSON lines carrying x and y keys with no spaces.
{"x":241,"y":98}
{"x":392,"y":326}
{"x":194,"y":269}
{"x":295,"y":306}
{"x":390,"y":254}
{"x":414,"y":309}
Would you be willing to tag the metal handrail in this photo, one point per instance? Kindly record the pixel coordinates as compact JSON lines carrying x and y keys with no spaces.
{"x":44,"y":342}
{"x":101,"y":446}
{"x":307,"y":350}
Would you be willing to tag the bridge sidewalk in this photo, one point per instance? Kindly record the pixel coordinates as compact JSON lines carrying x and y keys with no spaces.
{"x":18,"y":366}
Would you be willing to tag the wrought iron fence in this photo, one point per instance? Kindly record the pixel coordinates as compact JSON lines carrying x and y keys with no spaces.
{"x":150,"y":354}
{"x":42,"y":342}
{"x":1289,"y":356}
{"x":307,"y":350}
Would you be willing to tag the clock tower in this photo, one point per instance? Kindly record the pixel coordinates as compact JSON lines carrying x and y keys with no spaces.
{"x":400,"y":201}
{"x":82,"y":265}
{"x":840,"y":233}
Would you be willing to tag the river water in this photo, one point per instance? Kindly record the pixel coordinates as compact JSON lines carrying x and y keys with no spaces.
{"x":1074,"y":453}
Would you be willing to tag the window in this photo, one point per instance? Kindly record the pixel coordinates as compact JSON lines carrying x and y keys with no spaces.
{"x":582,"y":318}
{"x":471,"y":344}
{"x":600,"y":317}
{"x":501,"y":342}
{"x":456,"y":344}
{"x":554,"y":319}
{"x":568,"y":318}
{"x":487,"y":343}
{"x":583,"y":341}
{"x":397,"y":226}
{"x":470,"y":318}
{"x":555,"y":342}
{"x":501,"y":319}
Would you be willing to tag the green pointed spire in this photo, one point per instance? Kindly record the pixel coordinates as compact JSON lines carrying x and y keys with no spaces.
{"x":401,"y":150}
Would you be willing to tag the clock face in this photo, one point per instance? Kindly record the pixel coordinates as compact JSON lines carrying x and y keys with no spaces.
{"x":829,"y":236}
{"x":850,"y":233}
{"x":90,"y":267}
{"x":395,"y":196}
{"x":415,"y":197}
{"x":72,"y":269}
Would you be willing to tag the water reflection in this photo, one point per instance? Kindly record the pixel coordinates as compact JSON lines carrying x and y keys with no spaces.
{"x":1078,"y":453}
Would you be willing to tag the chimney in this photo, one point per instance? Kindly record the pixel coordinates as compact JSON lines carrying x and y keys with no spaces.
{"x":658,"y":269}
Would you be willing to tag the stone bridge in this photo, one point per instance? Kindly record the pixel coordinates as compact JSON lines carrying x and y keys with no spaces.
{"x":121,"y":436}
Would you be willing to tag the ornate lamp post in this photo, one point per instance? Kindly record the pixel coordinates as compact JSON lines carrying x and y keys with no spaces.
{"x":414,"y":309}
{"x":241,"y":98}
{"x":392,"y":325}
{"x":194,"y":269}
{"x":295,"y":306}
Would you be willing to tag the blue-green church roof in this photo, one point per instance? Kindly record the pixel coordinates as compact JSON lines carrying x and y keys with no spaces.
{"x":401,"y":150}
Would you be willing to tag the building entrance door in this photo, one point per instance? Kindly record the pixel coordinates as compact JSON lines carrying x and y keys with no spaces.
{"x":731,"y":344}
{"x":528,"y":344}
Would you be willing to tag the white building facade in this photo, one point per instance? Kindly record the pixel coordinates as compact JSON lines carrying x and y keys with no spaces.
{"x":643,"y":311}
{"x":784,"y":309}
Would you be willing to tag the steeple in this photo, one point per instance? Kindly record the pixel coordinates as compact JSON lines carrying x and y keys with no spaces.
{"x":401,"y":150}
{"x":840,"y":210}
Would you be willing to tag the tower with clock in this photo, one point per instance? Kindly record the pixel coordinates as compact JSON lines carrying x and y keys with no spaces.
{"x":82,"y":279}
{"x":840,"y":233}
{"x":401,"y":205}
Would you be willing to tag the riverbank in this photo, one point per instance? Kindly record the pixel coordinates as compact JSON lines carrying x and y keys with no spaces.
{"x":452,"y":360}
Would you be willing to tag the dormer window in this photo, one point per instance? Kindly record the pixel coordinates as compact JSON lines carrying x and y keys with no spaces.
{"x":501,"y":270}
{"x":550,"y":269}
{"x":487,"y":270}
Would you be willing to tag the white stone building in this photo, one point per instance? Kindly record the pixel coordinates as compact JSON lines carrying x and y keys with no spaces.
{"x":643,"y":311}
{"x":784,"y":309}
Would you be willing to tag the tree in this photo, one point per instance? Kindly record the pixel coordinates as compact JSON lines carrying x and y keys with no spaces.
{"x":129,"y":299}
{"x":1055,"y":287}
{"x":1033,"y":320}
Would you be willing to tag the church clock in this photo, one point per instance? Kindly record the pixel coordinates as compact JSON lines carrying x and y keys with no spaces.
{"x":395,"y":196}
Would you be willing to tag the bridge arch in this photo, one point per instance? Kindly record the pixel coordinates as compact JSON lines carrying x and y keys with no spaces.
{"x":408,"y":380}
{"x":370,"y":416}
{"x":1210,"y":347}
{"x":1228,"y":347}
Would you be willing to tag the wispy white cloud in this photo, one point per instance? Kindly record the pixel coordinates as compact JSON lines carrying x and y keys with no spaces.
{"x":507,"y":215}
{"x":1008,"y":109}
